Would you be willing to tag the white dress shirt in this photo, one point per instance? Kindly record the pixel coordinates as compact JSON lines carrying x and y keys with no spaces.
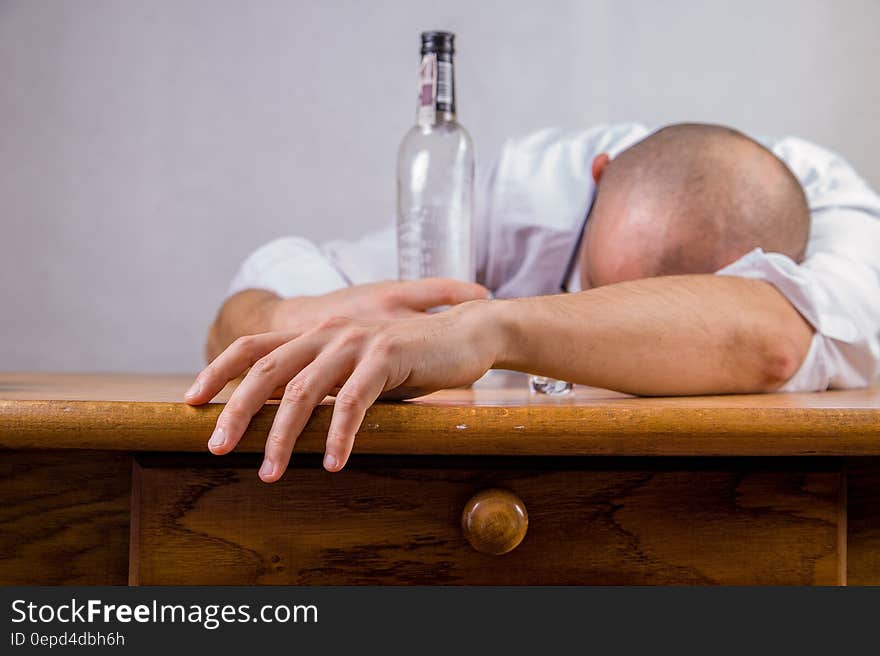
{"x":531,"y":202}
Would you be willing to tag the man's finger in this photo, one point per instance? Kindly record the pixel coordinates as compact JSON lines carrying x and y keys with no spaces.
{"x":305,"y":391}
{"x":230,"y":364}
{"x":354,"y":398}
{"x":432,"y":292}
{"x":265,"y":376}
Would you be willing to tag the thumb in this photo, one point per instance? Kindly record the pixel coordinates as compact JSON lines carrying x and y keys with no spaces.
{"x":431,"y":292}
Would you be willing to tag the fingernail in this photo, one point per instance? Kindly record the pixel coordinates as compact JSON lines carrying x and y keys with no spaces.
{"x":218,"y":438}
{"x":194,"y":390}
{"x":330,"y":462}
{"x":267,"y":469}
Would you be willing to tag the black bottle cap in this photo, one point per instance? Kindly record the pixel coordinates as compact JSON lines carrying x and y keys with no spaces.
{"x":439,"y":42}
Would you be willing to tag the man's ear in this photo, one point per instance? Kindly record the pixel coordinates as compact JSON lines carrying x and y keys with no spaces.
{"x":600,"y":162}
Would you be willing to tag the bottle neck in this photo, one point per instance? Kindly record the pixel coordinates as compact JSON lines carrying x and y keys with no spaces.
{"x":436,"y":89}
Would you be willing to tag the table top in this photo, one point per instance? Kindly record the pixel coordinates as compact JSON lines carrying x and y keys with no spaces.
{"x":498,"y":416}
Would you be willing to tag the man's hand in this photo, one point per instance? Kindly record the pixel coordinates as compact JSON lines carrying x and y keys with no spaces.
{"x":257,"y":311}
{"x":697,"y":334}
{"x":363,"y":360}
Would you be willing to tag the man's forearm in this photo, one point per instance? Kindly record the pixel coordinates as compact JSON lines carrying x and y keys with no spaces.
{"x":246,"y":313}
{"x":699,"y":334}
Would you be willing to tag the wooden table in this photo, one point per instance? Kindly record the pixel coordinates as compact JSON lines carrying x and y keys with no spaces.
{"x":106,"y":480}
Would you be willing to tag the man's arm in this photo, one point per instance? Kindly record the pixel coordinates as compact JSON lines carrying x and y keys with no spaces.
{"x":698,"y":334}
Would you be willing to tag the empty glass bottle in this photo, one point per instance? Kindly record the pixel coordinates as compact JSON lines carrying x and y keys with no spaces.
{"x":435,"y":176}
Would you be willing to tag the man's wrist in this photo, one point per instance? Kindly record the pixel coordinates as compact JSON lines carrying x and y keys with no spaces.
{"x":495,"y":323}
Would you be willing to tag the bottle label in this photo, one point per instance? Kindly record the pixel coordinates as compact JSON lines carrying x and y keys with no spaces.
{"x":444,"y":87}
{"x":428,"y":89}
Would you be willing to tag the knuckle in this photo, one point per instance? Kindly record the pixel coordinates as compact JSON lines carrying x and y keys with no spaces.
{"x":245,"y":343}
{"x":390,"y":297}
{"x":386,"y":346}
{"x":276,"y":441}
{"x":264,"y":366}
{"x":295,"y":390}
{"x":333,"y":323}
{"x":446,"y":290}
{"x":352,"y":337}
{"x":234,"y":412}
{"x":348,"y":400}
{"x":338,"y":440}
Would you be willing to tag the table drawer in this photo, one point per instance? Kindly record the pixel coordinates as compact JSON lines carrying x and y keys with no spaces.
{"x":398,"y":521}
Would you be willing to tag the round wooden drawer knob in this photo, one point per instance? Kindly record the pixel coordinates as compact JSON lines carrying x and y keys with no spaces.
{"x":494,"y":521}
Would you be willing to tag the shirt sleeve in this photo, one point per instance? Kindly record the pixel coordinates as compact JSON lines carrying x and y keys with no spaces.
{"x":837,"y":286}
{"x":289,"y":266}
{"x":293,"y":266}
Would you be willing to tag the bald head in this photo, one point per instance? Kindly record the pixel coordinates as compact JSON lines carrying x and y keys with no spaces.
{"x":691,"y":198}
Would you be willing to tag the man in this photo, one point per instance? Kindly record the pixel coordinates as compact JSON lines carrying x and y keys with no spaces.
{"x":791,"y":233}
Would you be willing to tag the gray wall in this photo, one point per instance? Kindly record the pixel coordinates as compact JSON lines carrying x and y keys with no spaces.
{"x":147,"y":147}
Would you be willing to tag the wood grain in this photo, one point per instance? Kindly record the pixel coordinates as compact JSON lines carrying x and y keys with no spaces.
{"x":64,"y":518}
{"x":122,"y":413}
{"x":863,"y":521}
{"x":614,"y":521}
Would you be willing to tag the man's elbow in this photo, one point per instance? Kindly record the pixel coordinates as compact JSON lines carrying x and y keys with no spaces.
{"x":779,"y":361}
{"x":777,"y":369}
